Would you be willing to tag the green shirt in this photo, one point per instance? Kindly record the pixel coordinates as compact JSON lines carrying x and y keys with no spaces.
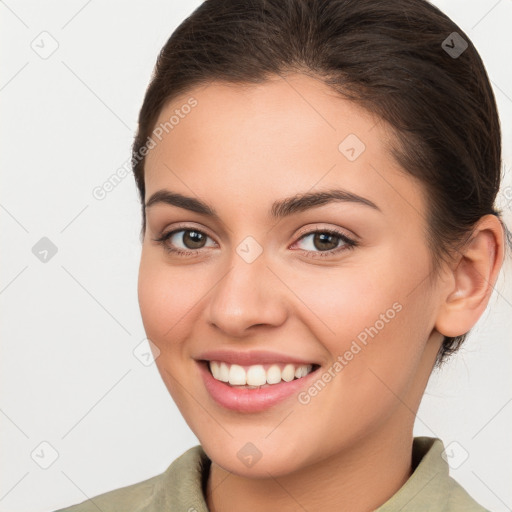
{"x":180,"y":487}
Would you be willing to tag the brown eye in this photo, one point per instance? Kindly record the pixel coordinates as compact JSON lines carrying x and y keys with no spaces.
{"x":323,"y":243}
{"x":193,"y":239}
{"x":184,"y":242}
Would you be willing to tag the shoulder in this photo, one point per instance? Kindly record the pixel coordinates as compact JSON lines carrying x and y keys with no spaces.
{"x":155,"y":493}
{"x":454,"y":496}
{"x":430,"y":487}
{"x":460,"y":499}
{"x":132,"y":498}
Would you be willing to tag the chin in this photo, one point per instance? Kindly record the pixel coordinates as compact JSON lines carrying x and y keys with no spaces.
{"x":257,"y":460}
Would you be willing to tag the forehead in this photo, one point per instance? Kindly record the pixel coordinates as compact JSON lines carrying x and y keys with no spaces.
{"x":294,"y":113}
{"x":286,"y":135}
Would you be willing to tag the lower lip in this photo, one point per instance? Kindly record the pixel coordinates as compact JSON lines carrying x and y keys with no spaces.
{"x":251,"y":400}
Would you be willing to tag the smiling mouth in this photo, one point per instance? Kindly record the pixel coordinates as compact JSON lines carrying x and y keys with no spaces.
{"x":258,"y":375}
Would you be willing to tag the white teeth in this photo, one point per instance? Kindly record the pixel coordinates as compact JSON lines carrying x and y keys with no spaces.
{"x":220,"y":371}
{"x":299,"y":372}
{"x":224,"y":372}
{"x":214,"y":368}
{"x":273,"y":374}
{"x":256,"y":375}
{"x":237,"y":375}
{"x":288,"y":373}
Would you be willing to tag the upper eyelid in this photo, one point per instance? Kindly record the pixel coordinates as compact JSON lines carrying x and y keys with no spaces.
{"x":338,"y":230}
{"x":187,"y":227}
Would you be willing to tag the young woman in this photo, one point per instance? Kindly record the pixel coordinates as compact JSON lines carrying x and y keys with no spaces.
{"x":318,"y":180}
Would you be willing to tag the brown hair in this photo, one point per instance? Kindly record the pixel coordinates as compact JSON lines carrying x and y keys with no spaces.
{"x":397,"y":58}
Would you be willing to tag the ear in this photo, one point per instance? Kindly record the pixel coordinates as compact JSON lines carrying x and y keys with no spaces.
{"x":472,"y":278}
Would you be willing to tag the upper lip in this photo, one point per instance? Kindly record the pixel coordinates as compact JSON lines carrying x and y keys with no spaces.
{"x":251,"y":357}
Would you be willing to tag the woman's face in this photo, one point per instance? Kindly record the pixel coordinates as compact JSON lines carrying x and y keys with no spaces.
{"x":261,"y":277}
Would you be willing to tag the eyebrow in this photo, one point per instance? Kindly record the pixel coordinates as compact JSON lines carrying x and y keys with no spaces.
{"x":281,"y":208}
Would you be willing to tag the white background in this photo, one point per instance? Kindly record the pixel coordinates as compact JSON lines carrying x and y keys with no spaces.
{"x":69,"y":326}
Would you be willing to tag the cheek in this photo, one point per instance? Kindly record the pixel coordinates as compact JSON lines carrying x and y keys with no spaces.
{"x":347,"y":300}
{"x":166,"y":300}
{"x":166,"y":297}
{"x":375,"y":317}
{"x":385,"y":296}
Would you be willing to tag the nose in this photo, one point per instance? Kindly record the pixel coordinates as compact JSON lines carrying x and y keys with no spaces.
{"x":247,"y":296}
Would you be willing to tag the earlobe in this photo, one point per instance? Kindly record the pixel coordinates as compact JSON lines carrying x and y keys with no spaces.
{"x":473,"y":279}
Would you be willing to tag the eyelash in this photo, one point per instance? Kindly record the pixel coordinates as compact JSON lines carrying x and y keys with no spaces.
{"x":348,"y":243}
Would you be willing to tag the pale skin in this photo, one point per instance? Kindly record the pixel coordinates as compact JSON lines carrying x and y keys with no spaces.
{"x":239,"y":150}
